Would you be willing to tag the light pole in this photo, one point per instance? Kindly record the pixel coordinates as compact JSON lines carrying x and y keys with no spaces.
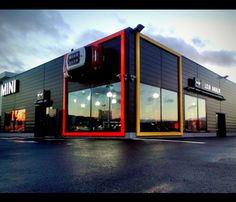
{"x":109,"y":95}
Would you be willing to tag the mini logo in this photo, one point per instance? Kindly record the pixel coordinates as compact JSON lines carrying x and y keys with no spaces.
{"x":198,"y":83}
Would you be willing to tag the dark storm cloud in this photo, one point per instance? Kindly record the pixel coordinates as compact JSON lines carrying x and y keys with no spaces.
{"x":25,"y":32}
{"x":220,"y":58}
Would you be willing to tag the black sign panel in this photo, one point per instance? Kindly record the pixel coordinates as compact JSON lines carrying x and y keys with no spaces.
{"x":206,"y":86}
{"x":199,"y":86}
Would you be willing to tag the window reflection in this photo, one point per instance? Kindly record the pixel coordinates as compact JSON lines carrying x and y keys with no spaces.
{"x":169,"y":110}
{"x":106,"y":108}
{"x":14,"y":121}
{"x":195,"y":114}
{"x":79,"y":110}
{"x":190,"y":113}
{"x":202,"y":114}
{"x":149,"y":108}
{"x":158,"y":109}
{"x":95,"y":109}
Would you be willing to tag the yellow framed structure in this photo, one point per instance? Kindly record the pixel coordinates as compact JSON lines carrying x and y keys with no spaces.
{"x":180,"y":89}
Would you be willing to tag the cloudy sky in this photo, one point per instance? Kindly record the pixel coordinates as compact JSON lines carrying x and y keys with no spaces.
{"x":32,"y":37}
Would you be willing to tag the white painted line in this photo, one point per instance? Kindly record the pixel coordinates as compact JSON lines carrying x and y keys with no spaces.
{"x":22,"y":141}
{"x":52,"y":139}
{"x":178,"y":141}
{"x":7,"y":138}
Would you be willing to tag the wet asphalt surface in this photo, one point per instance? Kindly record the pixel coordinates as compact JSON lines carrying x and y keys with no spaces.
{"x":200,"y":165}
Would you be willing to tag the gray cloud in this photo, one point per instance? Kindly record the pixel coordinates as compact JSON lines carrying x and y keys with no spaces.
{"x":198,"y":42}
{"x":89,"y":36}
{"x":222,"y":58}
{"x":27,"y":21}
{"x":26,"y":33}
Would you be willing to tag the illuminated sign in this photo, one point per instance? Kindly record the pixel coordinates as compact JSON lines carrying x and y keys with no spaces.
{"x":76,"y":58}
{"x":40,"y":95}
{"x":10,"y":87}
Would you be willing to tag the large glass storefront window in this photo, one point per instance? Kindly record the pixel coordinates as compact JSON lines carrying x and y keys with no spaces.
{"x":14,"y":121}
{"x":158,"y":109}
{"x":195,"y":114}
{"x":190,"y":113}
{"x":79,"y":110}
{"x":150,"y":115}
{"x":95,"y":109}
{"x":106,"y":108}
{"x":169,"y":110}
{"x":202,"y":114}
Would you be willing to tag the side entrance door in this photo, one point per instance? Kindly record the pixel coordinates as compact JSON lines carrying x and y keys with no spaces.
{"x":40,"y":129}
{"x":221,"y":124}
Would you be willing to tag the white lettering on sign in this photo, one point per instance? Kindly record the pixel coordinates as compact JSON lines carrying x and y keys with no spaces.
{"x":8,"y":88}
{"x":207,"y":86}
{"x":215,"y":89}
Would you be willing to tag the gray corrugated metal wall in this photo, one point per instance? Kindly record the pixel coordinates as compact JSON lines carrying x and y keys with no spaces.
{"x":48,"y":76}
{"x":228,"y":90}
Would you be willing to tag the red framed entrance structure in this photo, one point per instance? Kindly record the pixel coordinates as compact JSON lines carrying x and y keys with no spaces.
{"x":121,"y":133}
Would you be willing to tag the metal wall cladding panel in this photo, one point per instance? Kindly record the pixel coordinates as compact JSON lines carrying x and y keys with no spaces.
{"x":208,"y":76}
{"x":113,"y":44}
{"x":189,"y":70}
{"x":54,"y":81}
{"x":170,"y":75}
{"x":158,"y":67}
{"x":130,"y":86}
{"x":30,"y":81}
{"x":228,"y":90}
{"x":150,"y":63}
{"x":213,"y":106}
{"x":167,"y":56}
{"x":46,"y":76}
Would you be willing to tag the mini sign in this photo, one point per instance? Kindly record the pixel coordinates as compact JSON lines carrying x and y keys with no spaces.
{"x":10,"y":87}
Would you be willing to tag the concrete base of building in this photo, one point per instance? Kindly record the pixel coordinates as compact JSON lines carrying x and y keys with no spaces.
{"x":131,"y":136}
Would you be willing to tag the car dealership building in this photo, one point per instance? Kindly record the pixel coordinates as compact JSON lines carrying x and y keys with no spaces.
{"x":124,"y":85}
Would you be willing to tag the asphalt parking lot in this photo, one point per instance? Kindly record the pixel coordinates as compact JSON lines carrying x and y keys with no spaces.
{"x":192,"y":165}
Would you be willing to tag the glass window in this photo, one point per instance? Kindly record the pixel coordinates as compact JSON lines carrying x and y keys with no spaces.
{"x":106,"y":108}
{"x":95,"y":109}
{"x":190,"y":113}
{"x":195,"y":114}
{"x":79,"y":110}
{"x":202,"y":114}
{"x":149,"y":108}
{"x":15,"y":121}
{"x":169,"y":110}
